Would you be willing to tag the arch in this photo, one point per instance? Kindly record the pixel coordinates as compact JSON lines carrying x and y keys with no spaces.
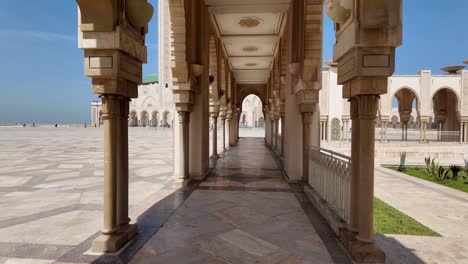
{"x":150,"y":100}
{"x":144,"y":118}
{"x":446,"y":111}
{"x":246,"y":90}
{"x":154,"y":118}
{"x":416,"y":95}
{"x":458,"y":101}
{"x":167,"y":119}
{"x":335,"y":129}
{"x":179,"y":36}
{"x":133,"y":119}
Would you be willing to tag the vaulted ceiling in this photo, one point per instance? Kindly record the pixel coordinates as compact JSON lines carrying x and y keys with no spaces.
{"x":250,"y":32}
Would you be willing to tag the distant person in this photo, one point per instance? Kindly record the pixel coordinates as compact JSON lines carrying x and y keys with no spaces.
{"x":56,"y":125}
{"x":95,"y":125}
{"x":24,"y":125}
{"x":85,"y":125}
{"x":34,"y":125}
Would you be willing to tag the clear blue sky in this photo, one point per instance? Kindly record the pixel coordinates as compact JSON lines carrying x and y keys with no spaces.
{"x":42,"y":77}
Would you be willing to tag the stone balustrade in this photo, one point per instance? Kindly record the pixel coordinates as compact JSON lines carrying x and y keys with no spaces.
{"x":329,"y":177}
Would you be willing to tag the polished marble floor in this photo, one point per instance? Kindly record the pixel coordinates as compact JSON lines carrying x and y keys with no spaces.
{"x":244,"y":212}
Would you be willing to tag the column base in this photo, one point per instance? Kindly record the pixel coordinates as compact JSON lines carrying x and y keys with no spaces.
{"x":114,"y":242}
{"x":361,"y":252}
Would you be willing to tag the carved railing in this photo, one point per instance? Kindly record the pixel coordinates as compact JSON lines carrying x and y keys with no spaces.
{"x":329,"y":177}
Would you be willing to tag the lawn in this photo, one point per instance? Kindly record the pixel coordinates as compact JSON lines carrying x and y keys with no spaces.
{"x":388,"y":220}
{"x":420,"y":173}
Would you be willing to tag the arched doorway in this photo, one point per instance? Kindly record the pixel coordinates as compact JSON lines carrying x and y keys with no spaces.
{"x":166,"y":122}
{"x":406,"y":103}
{"x":144,"y":119}
{"x":252,"y":121}
{"x":445,"y":107}
{"x":154,"y":119}
{"x":133,"y":119}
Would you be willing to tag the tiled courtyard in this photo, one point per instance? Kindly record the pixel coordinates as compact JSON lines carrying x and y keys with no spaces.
{"x":51,"y":184}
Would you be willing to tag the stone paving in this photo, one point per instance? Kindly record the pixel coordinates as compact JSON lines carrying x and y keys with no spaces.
{"x":244,"y":212}
{"x":440,"y":208}
{"x":51,"y":183}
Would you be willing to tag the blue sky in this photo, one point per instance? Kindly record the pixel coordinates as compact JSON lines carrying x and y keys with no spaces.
{"x":42,"y":77}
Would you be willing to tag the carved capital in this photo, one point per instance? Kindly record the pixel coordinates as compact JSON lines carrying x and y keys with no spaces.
{"x":364,"y":107}
{"x":111,"y":106}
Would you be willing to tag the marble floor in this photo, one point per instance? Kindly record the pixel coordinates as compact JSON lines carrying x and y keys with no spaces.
{"x":51,"y":184}
{"x":244,"y":212}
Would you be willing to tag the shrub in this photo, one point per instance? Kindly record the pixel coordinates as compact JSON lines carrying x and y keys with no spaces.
{"x":455,"y":170}
{"x":430,"y":166}
{"x":441,"y":173}
{"x":402,"y":166}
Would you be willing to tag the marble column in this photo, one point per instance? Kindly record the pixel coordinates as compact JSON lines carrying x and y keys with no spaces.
{"x":367,"y":110}
{"x":283,"y":124}
{"x":276,"y":143}
{"x":111,"y":239}
{"x":123,"y":176}
{"x":306,"y":142}
{"x":223,"y":125}
{"x":215,"y":137}
{"x":184,"y":120}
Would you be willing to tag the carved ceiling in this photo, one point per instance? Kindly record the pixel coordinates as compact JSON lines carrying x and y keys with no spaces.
{"x":250,"y":32}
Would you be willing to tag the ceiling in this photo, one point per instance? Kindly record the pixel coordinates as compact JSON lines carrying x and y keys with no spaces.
{"x":250,"y":32}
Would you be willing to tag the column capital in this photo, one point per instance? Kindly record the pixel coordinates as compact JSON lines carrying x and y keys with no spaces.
{"x":364,"y":107}
{"x":183,"y":99}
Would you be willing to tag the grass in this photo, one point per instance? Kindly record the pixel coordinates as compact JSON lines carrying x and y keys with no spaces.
{"x":420,"y":173}
{"x":388,"y":220}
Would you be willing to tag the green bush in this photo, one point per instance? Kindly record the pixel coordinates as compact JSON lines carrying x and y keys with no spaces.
{"x":430,"y":166}
{"x":455,"y":170}
{"x":441,"y":173}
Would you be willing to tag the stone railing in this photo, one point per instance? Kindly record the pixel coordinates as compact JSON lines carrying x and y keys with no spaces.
{"x":329,"y":178}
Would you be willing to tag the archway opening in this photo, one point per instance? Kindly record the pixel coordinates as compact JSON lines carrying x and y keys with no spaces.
{"x":154,"y":119}
{"x":252,"y":121}
{"x":133,"y":119}
{"x":445,"y":105}
{"x":144,"y":119}
{"x":404,"y":123}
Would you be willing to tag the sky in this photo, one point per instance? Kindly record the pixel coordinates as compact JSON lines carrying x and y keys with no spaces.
{"x":41,"y":73}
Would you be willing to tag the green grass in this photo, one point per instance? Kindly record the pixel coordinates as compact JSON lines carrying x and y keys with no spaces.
{"x":388,"y":220}
{"x":420,"y":173}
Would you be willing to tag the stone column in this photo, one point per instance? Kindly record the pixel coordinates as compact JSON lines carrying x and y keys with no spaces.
{"x":214,"y":155}
{"x":183,"y":99}
{"x":229,"y":128}
{"x":283,"y":124}
{"x":111,"y":117}
{"x":307,"y":142}
{"x":275,"y":142}
{"x":367,"y":110}
{"x":184,"y":120}
{"x":123,"y":176}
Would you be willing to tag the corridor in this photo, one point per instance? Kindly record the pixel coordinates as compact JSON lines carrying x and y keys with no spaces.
{"x":244,"y":212}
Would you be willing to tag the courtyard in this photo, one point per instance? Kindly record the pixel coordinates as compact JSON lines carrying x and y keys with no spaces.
{"x":51,"y":184}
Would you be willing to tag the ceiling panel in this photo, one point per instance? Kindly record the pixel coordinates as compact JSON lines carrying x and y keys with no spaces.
{"x":251,"y":76}
{"x":250,"y":45}
{"x":249,"y":23}
{"x":251,"y":63}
